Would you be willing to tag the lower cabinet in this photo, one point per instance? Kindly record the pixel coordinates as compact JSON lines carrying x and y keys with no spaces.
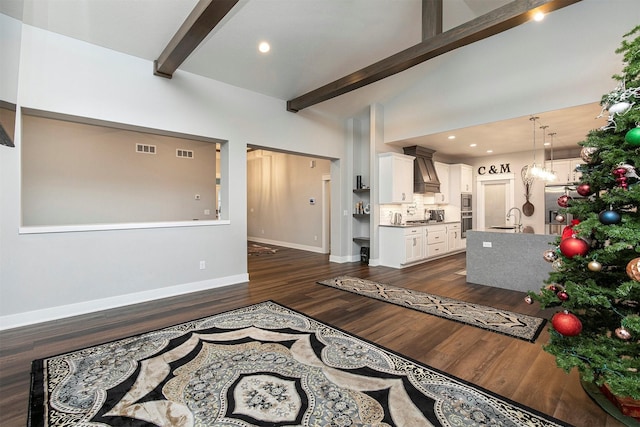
{"x":401,"y":246}
{"x":436,"y":240}
{"x":413,"y":244}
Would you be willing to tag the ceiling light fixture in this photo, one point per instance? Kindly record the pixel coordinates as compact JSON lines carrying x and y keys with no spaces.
{"x":473,"y":145}
{"x":538,"y":16}
{"x":535,"y":171}
{"x":451,"y":137}
{"x":264,"y":47}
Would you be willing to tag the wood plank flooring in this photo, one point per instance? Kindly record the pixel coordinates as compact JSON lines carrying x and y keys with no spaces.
{"x":516,"y":369}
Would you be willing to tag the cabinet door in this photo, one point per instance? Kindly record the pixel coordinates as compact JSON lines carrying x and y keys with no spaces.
{"x":573,"y":164}
{"x":395,"y":178}
{"x":442,"y":170}
{"x":466,"y":179}
{"x":413,"y":248}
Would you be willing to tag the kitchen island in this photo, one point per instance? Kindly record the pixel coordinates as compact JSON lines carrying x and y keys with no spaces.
{"x":508,"y":260}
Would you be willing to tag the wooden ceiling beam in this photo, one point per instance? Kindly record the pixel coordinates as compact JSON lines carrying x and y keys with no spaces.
{"x":501,"y":19}
{"x":200,"y":22}
{"x":431,"y":18}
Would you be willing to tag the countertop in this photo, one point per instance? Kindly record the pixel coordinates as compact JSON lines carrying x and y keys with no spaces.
{"x":419,"y":225}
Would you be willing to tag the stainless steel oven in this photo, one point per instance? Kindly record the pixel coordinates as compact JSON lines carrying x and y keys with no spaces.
{"x":465,"y":203}
{"x":466,"y":218}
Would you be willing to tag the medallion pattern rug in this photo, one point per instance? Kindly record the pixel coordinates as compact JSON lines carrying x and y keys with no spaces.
{"x":257,"y":250}
{"x":505,"y":322}
{"x":261,"y":365}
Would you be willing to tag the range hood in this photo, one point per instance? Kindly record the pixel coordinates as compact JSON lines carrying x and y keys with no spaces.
{"x":425,"y":178}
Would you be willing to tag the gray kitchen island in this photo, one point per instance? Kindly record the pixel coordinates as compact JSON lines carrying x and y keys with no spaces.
{"x":508,"y":260}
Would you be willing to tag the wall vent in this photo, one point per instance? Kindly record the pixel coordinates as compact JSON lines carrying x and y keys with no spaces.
{"x":186,"y":154}
{"x":145,"y":148}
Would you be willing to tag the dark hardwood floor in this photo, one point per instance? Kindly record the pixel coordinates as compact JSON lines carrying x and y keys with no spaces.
{"x":517,"y":369}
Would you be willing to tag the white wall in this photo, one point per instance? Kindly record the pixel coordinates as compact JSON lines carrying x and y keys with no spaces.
{"x":565,"y":60}
{"x":279,"y":187}
{"x":45,"y":276}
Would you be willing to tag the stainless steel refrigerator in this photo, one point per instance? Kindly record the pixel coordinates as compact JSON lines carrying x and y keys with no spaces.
{"x":551,"y":207}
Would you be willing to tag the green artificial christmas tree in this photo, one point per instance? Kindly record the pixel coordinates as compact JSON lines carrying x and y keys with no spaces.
{"x":596,"y":264}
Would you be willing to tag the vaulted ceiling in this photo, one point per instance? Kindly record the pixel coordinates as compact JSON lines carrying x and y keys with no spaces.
{"x":313,"y":42}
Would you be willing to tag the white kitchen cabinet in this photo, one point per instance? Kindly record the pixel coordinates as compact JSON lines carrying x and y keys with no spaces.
{"x":460,"y":180}
{"x":436,"y":240}
{"x":565,"y":170}
{"x":395,"y":173}
{"x":442,"y":170}
{"x":454,"y":238}
{"x":413,"y":244}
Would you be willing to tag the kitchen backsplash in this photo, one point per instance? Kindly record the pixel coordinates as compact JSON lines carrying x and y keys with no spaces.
{"x":418,"y":210}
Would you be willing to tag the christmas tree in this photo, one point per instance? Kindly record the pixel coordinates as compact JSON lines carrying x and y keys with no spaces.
{"x":596,"y":262}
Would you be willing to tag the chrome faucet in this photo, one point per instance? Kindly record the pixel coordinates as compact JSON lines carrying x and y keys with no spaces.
{"x":517,"y":225}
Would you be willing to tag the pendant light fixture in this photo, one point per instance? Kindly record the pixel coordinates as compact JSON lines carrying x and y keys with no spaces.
{"x":536,"y":171}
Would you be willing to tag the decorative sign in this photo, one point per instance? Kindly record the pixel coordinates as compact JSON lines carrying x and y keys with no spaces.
{"x":493,"y":169}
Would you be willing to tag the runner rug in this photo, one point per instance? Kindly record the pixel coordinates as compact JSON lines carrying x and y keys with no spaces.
{"x":492,"y":319}
{"x":261,"y":365}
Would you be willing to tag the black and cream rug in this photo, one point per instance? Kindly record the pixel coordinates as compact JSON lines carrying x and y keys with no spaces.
{"x":257,"y":250}
{"x":505,"y":322}
{"x":262,"y":365}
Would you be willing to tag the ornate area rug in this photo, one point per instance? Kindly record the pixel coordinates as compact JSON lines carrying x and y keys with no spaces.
{"x":262,"y":365}
{"x":256,"y":250}
{"x":505,"y":322}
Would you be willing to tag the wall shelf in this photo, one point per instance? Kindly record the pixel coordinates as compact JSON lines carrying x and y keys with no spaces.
{"x":361,"y":240}
{"x":361,"y":215}
{"x":361,"y":190}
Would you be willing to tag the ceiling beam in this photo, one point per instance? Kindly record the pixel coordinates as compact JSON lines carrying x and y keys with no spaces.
{"x":200,"y":22}
{"x":501,"y":19}
{"x":431,"y":18}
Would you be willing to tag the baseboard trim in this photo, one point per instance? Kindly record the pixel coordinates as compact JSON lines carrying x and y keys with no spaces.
{"x":70,"y":310}
{"x":316,"y":249}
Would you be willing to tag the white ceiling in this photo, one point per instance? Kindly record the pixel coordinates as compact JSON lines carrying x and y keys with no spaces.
{"x":314,"y":42}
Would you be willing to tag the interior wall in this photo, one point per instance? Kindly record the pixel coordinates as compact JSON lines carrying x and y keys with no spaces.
{"x":279,"y":189}
{"x":565,"y":60}
{"x":47,"y":276}
{"x":75,"y":174}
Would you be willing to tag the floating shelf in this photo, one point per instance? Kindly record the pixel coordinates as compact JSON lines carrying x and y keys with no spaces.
{"x":361,"y":215}
{"x":361,"y":190}
{"x":361,"y":239}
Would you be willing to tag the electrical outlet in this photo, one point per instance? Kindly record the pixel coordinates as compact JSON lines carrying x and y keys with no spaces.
{"x":207,"y":211}
{"x":315,"y":237}
{"x":486,"y":244}
{"x":203,"y":265}
{"x":197,"y":197}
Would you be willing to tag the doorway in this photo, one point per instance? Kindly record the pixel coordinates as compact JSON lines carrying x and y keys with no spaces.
{"x":495,"y":197}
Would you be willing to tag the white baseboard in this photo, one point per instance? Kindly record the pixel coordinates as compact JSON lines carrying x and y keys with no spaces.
{"x":315,"y":249}
{"x":60,"y":312}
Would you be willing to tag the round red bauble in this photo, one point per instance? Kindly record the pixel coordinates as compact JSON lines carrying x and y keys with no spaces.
{"x":563,"y":201}
{"x":583,"y":190}
{"x":573,"y":246}
{"x":567,"y":324}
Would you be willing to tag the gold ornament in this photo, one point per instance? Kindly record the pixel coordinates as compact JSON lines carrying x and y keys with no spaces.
{"x":633,"y":269}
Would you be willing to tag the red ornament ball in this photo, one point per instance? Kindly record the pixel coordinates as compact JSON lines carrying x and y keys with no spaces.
{"x":567,"y":324}
{"x":573,"y":246}
{"x":562,"y":296}
{"x":563,"y":201}
{"x":584,"y":190}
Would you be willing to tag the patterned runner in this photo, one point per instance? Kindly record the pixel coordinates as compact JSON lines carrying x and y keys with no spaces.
{"x":492,"y":319}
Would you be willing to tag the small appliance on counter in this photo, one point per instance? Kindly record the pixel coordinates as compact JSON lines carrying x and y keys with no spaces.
{"x":436,"y":215}
{"x":396,"y":218}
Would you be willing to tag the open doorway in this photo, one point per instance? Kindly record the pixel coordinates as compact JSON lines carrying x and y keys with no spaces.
{"x":288,"y":200}
{"x":495,"y":197}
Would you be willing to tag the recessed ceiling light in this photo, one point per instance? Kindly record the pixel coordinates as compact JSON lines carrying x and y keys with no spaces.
{"x":264,"y":47}
{"x":489,"y":151}
{"x":539,"y":16}
{"x":451,"y":137}
{"x":473,"y":145}
{"x":547,"y":143}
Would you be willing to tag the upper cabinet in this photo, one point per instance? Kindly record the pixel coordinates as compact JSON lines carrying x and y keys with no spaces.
{"x":565,"y":170}
{"x":442,"y":170}
{"x":460,"y":179}
{"x":395,"y":178}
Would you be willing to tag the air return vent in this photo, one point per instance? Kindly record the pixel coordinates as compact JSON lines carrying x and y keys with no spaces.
{"x":185,"y":154}
{"x":146,"y":149}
